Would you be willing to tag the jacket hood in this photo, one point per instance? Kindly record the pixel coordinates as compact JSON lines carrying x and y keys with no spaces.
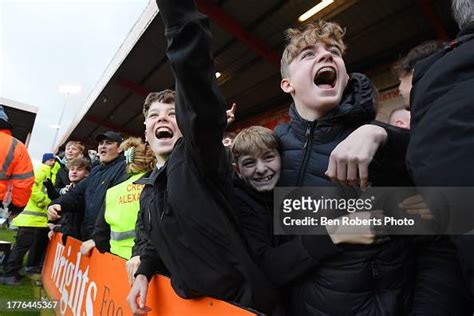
{"x":357,"y":106}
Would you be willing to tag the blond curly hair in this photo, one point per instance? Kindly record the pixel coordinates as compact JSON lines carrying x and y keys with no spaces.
{"x":298,"y":38}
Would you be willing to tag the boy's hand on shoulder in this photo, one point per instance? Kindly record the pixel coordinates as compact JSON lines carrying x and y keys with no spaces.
{"x":349,"y":161}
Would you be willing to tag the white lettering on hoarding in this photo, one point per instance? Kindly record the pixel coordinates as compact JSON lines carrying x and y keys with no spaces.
{"x":72,"y":282}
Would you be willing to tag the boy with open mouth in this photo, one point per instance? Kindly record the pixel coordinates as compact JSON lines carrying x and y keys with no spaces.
{"x":382,"y":277}
{"x":186,"y":209}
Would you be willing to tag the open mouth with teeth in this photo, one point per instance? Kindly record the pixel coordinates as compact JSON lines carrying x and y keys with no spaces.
{"x":325,"y":78}
{"x":164,"y":133}
{"x":264,"y":179}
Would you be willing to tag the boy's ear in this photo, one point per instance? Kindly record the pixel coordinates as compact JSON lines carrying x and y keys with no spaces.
{"x":236,"y":169}
{"x":286,"y":86}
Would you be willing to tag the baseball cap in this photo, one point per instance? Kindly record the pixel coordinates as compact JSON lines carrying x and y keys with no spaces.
{"x":116,"y":137}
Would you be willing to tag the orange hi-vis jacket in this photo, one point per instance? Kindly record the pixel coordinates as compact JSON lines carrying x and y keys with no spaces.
{"x":16,"y":169}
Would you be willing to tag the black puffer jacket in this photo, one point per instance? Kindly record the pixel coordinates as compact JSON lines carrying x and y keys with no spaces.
{"x":306,"y":146}
{"x":360,"y":280}
{"x":379,"y":279}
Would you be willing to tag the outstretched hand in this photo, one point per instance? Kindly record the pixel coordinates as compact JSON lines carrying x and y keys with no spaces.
{"x":231,"y":114}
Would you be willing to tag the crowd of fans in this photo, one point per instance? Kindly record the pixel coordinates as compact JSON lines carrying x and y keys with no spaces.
{"x":195,"y":203}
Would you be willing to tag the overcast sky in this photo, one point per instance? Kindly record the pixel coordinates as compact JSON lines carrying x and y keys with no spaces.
{"x":46,"y":43}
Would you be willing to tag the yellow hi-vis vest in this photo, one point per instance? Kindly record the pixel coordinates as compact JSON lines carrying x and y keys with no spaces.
{"x":54,"y":171}
{"x":122,"y":203}
{"x":35,"y":213}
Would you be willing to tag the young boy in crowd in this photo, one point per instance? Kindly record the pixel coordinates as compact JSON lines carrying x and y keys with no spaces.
{"x":73,"y":150}
{"x":385,"y":277}
{"x":69,"y":224}
{"x":186,"y":203}
{"x":257,"y":167}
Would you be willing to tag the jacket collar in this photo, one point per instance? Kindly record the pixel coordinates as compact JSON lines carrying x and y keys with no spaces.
{"x":120,"y":158}
{"x":150,"y":178}
{"x":424,"y":65}
{"x":357,"y":107}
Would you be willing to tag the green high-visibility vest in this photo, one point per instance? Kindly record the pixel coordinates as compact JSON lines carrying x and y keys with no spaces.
{"x":54,"y":171}
{"x":35,"y":213}
{"x":122,"y":203}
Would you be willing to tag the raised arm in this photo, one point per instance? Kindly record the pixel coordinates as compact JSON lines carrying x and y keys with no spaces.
{"x":200,"y":108}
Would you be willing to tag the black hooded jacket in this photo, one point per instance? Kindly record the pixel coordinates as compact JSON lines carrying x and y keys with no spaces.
{"x":440,"y":145}
{"x":186,"y":206}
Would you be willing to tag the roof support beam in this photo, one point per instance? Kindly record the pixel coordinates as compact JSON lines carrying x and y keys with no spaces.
{"x":111,"y":126}
{"x":229,"y":24}
{"x":132,"y":86}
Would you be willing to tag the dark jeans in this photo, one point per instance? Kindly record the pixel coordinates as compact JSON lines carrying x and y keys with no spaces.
{"x":33,"y":239}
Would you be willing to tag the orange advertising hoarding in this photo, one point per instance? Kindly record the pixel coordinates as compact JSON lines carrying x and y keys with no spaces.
{"x":97,"y":285}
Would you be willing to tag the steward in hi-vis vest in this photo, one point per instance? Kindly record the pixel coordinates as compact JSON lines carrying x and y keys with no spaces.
{"x":122,"y":203}
{"x":16,"y":170}
{"x":33,"y":229}
{"x":35,"y":213}
{"x":115,"y":227}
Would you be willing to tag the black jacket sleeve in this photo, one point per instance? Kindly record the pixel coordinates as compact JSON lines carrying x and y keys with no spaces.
{"x":74,"y":200}
{"x":150,"y":262}
{"x":439,"y":285}
{"x":389,"y":165}
{"x":200,"y":106}
{"x":101,"y":234}
{"x":141,"y":236}
{"x":284,"y":262}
